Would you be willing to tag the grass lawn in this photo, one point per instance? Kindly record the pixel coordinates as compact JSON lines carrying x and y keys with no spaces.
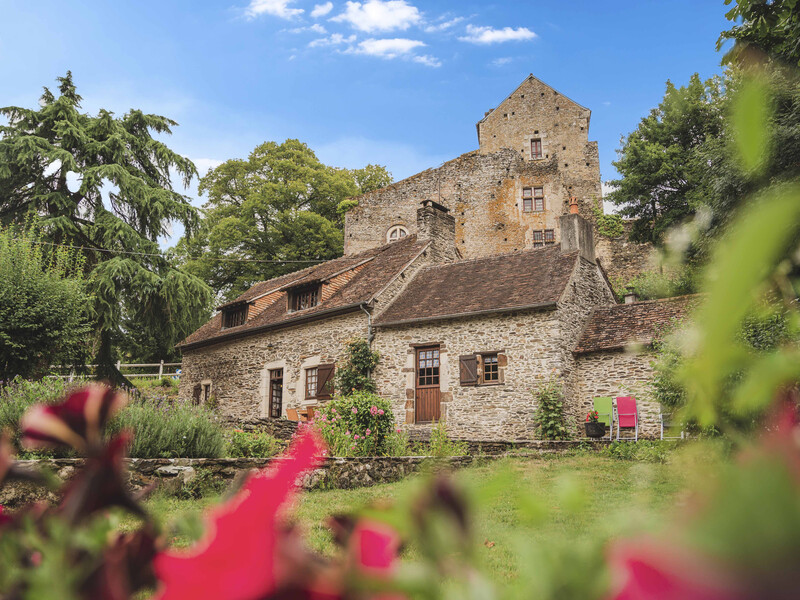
{"x":541,"y":500}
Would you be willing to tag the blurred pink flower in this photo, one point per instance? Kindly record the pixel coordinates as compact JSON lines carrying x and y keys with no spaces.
{"x":646,"y":570}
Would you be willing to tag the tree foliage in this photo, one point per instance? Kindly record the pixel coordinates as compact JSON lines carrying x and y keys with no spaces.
{"x":103,"y":183}
{"x":279,"y":204}
{"x":771,"y":26}
{"x":43,"y":316}
{"x":662,"y":172}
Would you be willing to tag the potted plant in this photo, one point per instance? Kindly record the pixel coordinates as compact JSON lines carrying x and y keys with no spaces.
{"x":594,"y":428}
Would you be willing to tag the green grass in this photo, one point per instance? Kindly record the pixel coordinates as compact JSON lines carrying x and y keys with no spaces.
{"x":546,"y":500}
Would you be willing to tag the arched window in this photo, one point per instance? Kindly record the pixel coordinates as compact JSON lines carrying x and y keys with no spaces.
{"x":396,"y":232}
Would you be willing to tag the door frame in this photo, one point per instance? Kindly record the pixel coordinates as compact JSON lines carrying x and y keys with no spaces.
{"x":435,"y":389}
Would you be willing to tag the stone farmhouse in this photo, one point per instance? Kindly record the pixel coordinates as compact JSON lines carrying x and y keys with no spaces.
{"x":475,"y":282}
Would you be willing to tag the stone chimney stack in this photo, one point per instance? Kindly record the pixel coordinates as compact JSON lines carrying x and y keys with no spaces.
{"x":435,"y":223}
{"x":577,"y":236}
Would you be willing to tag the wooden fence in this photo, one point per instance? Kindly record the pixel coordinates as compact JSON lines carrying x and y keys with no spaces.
{"x":129,"y":370}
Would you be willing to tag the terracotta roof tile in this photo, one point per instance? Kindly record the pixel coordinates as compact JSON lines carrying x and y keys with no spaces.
{"x":496,"y":283}
{"x":620,"y":325}
{"x":375,"y":269}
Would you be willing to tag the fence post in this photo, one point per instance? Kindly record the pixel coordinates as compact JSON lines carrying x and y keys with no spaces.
{"x":71,"y":374}
{"x":119,"y":366}
{"x":161,"y":369}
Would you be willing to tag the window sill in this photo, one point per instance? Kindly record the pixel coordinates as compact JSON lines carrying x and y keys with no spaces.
{"x":492,"y":384}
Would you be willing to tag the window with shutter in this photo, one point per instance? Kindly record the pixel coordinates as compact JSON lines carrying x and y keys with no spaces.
{"x":325,"y":381}
{"x":468,"y":369}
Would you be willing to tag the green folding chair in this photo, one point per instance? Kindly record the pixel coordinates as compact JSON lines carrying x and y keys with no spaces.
{"x":604,"y":406}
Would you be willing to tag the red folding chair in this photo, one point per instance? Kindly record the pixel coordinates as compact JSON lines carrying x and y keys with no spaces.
{"x":627,"y":416}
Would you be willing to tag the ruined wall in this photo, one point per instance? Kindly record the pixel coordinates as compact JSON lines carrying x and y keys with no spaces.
{"x":484,"y":194}
{"x":619,"y":373}
{"x":622,"y":259}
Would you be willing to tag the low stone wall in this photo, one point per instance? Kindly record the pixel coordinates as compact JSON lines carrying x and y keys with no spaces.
{"x":172,"y":473}
{"x":283,"y":429}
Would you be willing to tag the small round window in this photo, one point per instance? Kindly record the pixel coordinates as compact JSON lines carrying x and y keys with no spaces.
{"x":395,"y":233}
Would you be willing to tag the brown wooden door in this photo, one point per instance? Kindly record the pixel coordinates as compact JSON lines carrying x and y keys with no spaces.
{"x":276,"y":393}
{"x":428,"y":394}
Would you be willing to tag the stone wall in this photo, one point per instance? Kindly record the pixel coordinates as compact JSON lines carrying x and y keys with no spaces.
{"x":484,"y":194}
{"x":238,"y":370}
{"x":527,"y":339}
{"x":586,"y":290}
{"x":172,"y":473}
{"x":619,"y":373}
{"x":622,"y":259}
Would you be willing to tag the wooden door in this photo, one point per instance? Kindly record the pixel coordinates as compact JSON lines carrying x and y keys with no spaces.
{"x":275,"y":393}
{"x":428,"y":394}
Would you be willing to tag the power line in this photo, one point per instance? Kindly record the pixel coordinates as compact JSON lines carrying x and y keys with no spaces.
{"x":165,"y":257}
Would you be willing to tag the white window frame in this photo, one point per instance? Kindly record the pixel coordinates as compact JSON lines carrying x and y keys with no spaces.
{"x":402,"y":232}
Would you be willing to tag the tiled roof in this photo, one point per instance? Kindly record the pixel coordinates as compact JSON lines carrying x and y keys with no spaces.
{"x":353,"y":279}
{"x":497,"y":283}
{"x":620,"y":325}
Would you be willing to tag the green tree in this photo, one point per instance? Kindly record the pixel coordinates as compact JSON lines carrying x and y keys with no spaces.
{"x":280,"y":204}
{"x":121,"y":202}
{"x":43,"y":316}
{"x":663,"y":177}
{"x":771,"y":26}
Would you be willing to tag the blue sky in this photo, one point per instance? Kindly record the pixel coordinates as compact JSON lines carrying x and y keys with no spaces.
{"x":399,"y":82}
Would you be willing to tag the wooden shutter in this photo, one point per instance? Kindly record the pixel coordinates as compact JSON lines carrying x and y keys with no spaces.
{"x":469,"y":369}
{"x":325,"y":381}
{"x":197,"y":392}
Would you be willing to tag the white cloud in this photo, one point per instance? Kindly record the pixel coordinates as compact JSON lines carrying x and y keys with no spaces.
{"x":427,"y":60}
{"x":335,"y":39}
{"x":380,"y":15}
{"x":488,"y":35}
{"x":386,"y":48}
{"x":276,"y":8}
{"x":499,"y":62}
{"x":316,"y":28}
{"x":443,"y":25}
{"x":320,"y":10}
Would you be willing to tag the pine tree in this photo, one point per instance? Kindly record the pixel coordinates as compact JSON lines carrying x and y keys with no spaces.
{"x":102,"y":183}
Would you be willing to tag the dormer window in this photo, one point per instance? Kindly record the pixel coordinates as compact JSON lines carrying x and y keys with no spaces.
{"x":234,"y":316}
{"x":303,"y":298}
{"x":395,"y":233}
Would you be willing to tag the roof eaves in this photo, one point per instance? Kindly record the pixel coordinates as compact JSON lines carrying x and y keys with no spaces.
{"x":330,"y":312}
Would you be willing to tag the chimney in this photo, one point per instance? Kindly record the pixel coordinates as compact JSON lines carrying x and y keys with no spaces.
{"x":630,"y":297}
{"x":577,"y":236}
{"x":434,"y":223}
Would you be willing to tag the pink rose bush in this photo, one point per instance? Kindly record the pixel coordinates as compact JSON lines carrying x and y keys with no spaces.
{"x":360,"y":417}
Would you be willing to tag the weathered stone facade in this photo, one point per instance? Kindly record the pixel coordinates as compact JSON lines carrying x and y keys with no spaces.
{"x":618,"y":373}
{"x":484,"y":189}
{"x":238,"y":370}
{"x":532,"y":345}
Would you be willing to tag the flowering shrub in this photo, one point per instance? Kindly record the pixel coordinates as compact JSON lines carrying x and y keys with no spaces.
{"x":257,"y":444}
{"x":356,"y":425}
{"x":549,"y":413}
